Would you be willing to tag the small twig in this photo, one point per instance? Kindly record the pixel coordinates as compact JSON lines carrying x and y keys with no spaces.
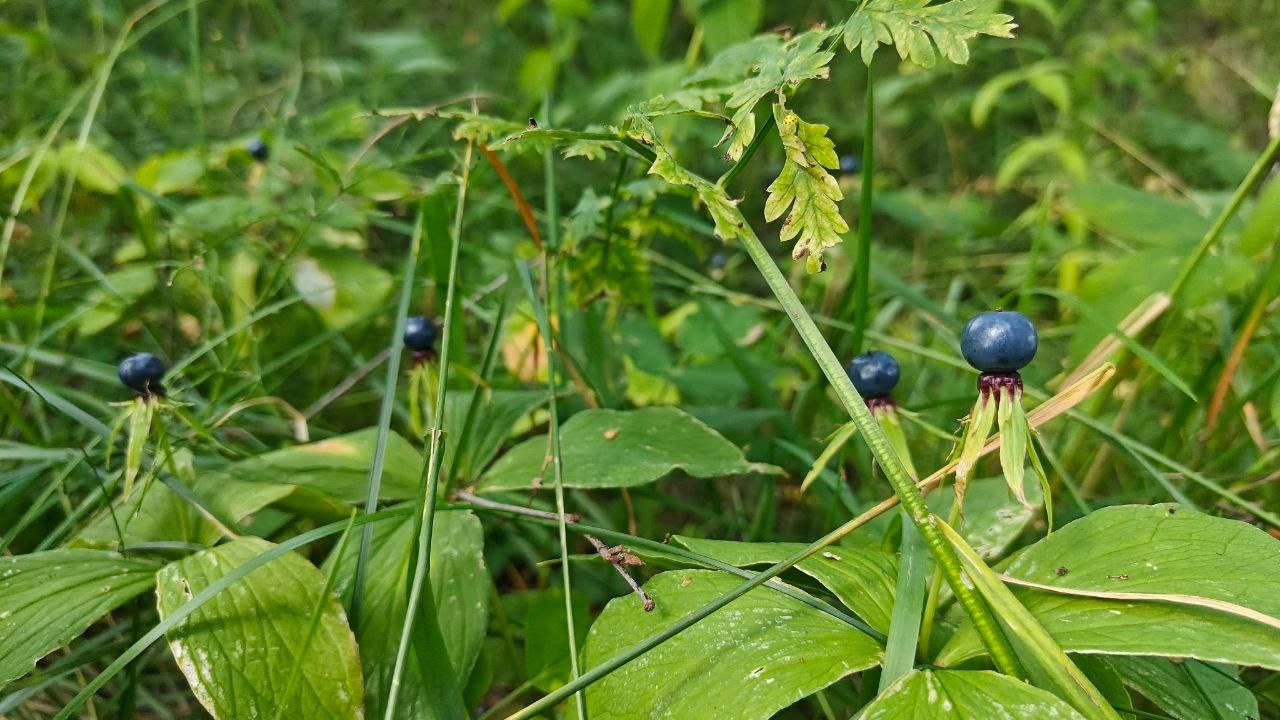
{"x":620,"y":557}
{"x":468,"y":497}
{"x":347,"y":383}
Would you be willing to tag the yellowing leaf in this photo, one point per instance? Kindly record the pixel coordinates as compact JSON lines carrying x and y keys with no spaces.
{"x":807,"y":189}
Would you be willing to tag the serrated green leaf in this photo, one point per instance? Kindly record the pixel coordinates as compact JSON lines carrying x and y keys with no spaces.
{"x":965,"y":694}
{"x":48,"y":599}
{"x":1161,"y":550}
{"x":806,"y":188}
{"x":786,"y":65}
{"x":239,"y":650}
{"x":771,"y":650}
{"x":914,"y":27}
{"x":614,"y":448}
{"x":724,"y":212}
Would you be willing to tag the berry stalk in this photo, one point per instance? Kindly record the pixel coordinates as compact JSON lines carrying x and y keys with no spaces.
{"x":910,"y":496}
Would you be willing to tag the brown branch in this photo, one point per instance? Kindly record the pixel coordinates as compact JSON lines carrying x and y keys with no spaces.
{"x":620,"y":557}
{"x":522,"y":205}
{"x":478,"y":501}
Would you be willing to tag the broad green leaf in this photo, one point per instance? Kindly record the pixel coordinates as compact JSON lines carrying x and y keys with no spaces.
{"x":862,"y":577}
{"x":965,"y":695}
{"x":758,"y":655}
{"x":337,"y":467}
{"x":915,"y":26}
{"x":341,"y":287}
{"x":807,"y":189}
{"x":454,"y":618}
{"x":615,"y":448}
{"x":48,"y":599}
{"x":1161,"y":551}
{"x":546,"y":644}
{"x":1044,"y":75}
{"x":171,"y":172}
{"x":95,"y":168}
{"x":1188,"y":690}
{"x":316,"y":479}
{"x":238,"y":651}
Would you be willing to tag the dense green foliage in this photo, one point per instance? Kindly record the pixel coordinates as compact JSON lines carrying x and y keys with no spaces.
{"x":650,"y":233}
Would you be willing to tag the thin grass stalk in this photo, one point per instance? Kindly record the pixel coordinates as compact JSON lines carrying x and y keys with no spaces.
{"x":544,"y":329}
{"x":425,"y":520}
{"x":862,"y":269}
{"x":384,"y":421}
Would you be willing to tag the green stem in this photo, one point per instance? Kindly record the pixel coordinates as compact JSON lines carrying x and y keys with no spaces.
{"x":1247,"y":185}
{"x":426,"y":518}
{"x":935,"y":586}
{"x":910,"y":496}
{"x":544,"y":329}
{"x":862,"y":270}
{"x":752,"y":147}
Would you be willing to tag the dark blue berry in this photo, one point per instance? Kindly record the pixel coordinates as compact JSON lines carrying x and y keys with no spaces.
{"x":874,"y":374}
{"x":850,"y":164}
{"x":142,"y":372}
{"x":419,"y":334}
{"x":718,"y":261}
{"x":259,"y":150}
{"x":999,"y":342}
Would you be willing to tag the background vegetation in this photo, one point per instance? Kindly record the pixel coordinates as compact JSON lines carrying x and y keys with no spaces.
{"x":1074,"y":173}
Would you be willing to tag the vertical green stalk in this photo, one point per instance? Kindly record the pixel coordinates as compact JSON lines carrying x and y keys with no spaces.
{"x":425,"y":519}
{"x":1247,"y":185}
{"x":862,"y":270}
{"x":910,"y":496}
{"x":384,"y":422}
{"x":544,"y":329}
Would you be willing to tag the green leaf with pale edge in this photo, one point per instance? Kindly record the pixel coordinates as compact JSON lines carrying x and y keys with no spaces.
{"x":965,"y":695}
{"x":1188,"y":690}
{"x":48,"y":599}
{"x":616,"y":448}
{"x":806,"y":188}
{"x":862,"y":577}
{"x":723,"y":210}
{"x":1161,"y":550}
{"x":761,"y":653}
{"x":460,"y":588}
{"x":914,"y":27}
{"x":238,"y":650}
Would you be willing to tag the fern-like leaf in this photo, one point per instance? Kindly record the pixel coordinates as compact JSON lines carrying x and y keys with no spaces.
{"x":806,"y":187}
{"x":914,"y":27}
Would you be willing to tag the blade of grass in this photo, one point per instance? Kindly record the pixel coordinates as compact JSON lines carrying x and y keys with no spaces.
{"x":862,"y":268}
{"x":424,"y":520}
{"x":553,"y":438}
{"x":908,"y":604}
{"x":384,"y":419}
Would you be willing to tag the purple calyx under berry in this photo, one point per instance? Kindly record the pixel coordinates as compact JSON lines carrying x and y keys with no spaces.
{"x":420,"y":337}
{"x":993,"y":384}
{"x":142,"y":373}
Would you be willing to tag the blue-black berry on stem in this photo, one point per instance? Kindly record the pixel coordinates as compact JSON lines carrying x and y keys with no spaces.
{"x":420,"y":334}
{"x":142,"y":373}
{"x":874,"y":374}
{"x":259,"y":150}
{"x":1002,"y":341}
